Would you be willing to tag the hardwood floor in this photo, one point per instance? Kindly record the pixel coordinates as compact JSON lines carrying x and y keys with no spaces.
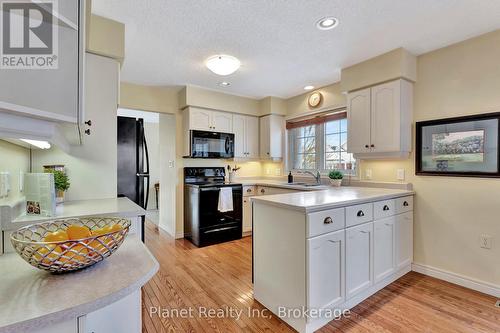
{"x":217,"y":277}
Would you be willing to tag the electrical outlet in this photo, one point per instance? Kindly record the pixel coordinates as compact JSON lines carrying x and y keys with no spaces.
{"x":368,"y":173}
{"x":21,"y":181}
{"x":268,"y":171}
{"x":400,"y":175}
{"x":485,"y":241}
{"x":277,"y":172}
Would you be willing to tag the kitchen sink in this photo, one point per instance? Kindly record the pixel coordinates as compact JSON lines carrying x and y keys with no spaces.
{"x":312,"y":185}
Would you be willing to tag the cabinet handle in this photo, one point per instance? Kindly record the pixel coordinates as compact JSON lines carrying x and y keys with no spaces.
{"x":372,"y":145}
{"x":267,"y":153}
{"x":262,"y":191}
{"x":88,"y":122}
{"x":328,"y":220}
{"x":405,"y":204}
{"x":360,"y":213}
{"x":334,"y":241}
{"x":364,"y":232}
{"x":367,"y":146}
{"x":87,"y":131}
{"x":386,"y":208}
{"x":388,"y":224}
{"x":249,"y":190}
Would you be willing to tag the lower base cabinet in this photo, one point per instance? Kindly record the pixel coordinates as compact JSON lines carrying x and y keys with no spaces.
{"x":384,"y":249}
{"x":326,"y":270}
{"x":404,"y":239}
{"x":359,"y":259}
{"x":247,"y":215}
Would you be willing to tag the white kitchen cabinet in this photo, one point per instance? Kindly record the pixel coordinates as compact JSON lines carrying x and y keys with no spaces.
{"x":123,"y":316}
{"x":53,"y":94}
{"x":267,"y":190}
{"x":247,"y":215}
{"x":404,"y":239}
{"x":359,"y":259}
{"x":68,"y":326}
{"x":246,"y":139}
{"x":358,"y":121}
{"x":272,"y":129}
{"x":208,"y":120}
{"x":384,"y":249}
{"x":379,"y":120}
{"x":326,"y":271}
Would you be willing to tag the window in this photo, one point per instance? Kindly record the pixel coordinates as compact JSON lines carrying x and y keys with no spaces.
{"x":320,"y":144}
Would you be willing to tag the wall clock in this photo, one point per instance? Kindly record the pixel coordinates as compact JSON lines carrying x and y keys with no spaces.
{"x":314,"y":99}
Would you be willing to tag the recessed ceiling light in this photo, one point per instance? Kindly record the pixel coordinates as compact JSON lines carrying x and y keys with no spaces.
{"x":327,"y":23}
{"x":224,"y":84}
{"x":222,"y":64}
{"x":308,"y":87}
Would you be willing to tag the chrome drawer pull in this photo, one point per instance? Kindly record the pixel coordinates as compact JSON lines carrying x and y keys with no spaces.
{"x":386,"y":208}
{"x":405,"y":204}
{"x":360,"y":213}
{"x":249,"y":190}
{"x":328,"y":220}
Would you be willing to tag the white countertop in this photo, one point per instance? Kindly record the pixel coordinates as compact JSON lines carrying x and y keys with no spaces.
{"x":282,"y":184}
{"x":31,"y":298}
{"x":78,"y":208}
{"x":331,"y":198}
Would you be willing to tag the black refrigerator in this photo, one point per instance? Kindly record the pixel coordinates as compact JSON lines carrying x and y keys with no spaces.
{"x":133,"y":161}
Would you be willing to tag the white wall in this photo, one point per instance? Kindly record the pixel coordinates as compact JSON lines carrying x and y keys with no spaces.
{"x":168,"y":173}
{"x":13,"y":159}
{"x":92,"y":166}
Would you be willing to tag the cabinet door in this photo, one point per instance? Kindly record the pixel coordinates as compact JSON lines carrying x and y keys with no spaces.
{"x":222,"y":122}
{"x":239,"y":136}
{"x":404,"y":239}
{"x":359,"y":259}
{"x":386,"y":117}
{"x":247,"y":214}
{"x":51,"y":94}
{"x":384,"y":250}
{"x":252,"y":137}
{"x":358,"y":121}
{"x":264,"y":129}
{"x":326,"y":265}
{"x":276,"y":133}
{"x":200,"y":119}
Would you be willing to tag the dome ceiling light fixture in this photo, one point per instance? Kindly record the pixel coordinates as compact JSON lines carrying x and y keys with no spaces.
{"x":327,"y":23}
{"x":222,"y":64}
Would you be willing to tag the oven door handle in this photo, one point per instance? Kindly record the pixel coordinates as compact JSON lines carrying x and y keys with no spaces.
{"x":208,"y":189}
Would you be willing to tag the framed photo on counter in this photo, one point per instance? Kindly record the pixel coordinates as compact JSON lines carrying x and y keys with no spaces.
{"x":462,"y":146}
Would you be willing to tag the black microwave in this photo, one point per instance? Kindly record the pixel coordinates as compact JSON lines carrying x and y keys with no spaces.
{"x":205,"y":144}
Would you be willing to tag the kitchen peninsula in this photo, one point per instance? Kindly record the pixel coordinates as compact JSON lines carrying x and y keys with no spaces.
{"x":329,"y":250}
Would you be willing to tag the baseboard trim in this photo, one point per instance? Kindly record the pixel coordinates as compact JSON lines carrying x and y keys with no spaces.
{"x":179,"y":235}
{"x":461,"y":280}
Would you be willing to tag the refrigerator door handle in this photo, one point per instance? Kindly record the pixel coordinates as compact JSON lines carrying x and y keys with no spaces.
{"x":147,"y":192}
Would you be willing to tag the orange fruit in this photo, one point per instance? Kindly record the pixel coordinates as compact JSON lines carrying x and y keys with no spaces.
{"x":57,"y":236}
{"x":48,"y":254}
{"x":77,"y":232}
{"x":116,"y":227}
{"x":101,"y":231}
{"x":75,"y":253}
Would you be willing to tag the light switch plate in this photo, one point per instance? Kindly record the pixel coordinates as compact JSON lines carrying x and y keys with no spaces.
{"x":277,"y":172}
{"x":368,"y":173}
{"x":400,"y":175}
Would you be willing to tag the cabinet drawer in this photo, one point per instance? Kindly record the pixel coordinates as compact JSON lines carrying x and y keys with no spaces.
{"x":358,"y":214}
{"x":249,"y":191}
{"x":404,"y":204}
{"x":384,"y":208}
{"x":325,"y":221}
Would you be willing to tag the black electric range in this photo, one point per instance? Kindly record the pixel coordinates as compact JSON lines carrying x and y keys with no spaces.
{"x":204,"y":224}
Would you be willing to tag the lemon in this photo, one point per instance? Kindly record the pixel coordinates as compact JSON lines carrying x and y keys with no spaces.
{"x":57,"y":236}
{"x":78,"y":232}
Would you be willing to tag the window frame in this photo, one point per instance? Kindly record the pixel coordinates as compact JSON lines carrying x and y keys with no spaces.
{"x":320,"y":152}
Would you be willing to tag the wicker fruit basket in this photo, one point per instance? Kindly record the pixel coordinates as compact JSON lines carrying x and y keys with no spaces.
{"x":106,"y":235}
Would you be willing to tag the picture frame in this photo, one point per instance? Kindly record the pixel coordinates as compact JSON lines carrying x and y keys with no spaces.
{"x":467,"y":146}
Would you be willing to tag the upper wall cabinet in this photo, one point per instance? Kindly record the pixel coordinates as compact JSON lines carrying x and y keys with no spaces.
{"x":246,"y":139}
{"x":272,"y":130}
{"x":53,"y":93}
{"x":379,"y":120}
{"x":208,"y":120}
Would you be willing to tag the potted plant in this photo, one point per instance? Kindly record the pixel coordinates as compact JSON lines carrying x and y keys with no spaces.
{"x":62,"y":184}
{"x":335,"y":177}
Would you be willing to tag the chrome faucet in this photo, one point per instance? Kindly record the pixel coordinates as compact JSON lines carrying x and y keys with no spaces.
{"x":316,"y":176}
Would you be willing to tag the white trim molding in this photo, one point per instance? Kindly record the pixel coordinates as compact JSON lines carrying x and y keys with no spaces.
{"x":461,"y":280}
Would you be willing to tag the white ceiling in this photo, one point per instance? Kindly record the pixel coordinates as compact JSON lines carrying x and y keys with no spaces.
{"x":277,"y":42}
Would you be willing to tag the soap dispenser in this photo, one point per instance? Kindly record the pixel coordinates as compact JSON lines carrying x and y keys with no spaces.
{"x":290,"y":178}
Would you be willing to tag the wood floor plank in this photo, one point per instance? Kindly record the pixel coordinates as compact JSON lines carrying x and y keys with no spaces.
{"x":219,"y":277}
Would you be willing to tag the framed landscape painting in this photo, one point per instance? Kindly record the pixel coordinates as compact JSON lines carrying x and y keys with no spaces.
{"x":462,"y":146}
